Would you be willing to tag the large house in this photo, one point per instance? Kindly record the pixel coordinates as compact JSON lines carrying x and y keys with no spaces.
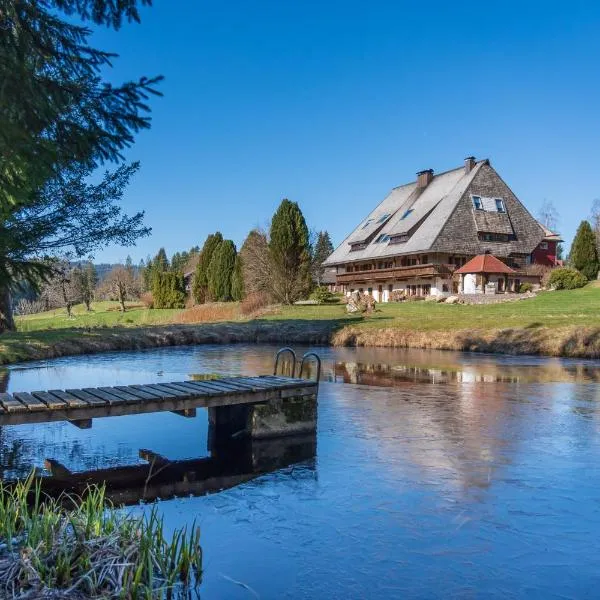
{"x":424,"y":231}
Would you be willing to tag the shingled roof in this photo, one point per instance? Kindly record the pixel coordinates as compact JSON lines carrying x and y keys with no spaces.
{"x":484,"y":263}
{"x":441,"y":216}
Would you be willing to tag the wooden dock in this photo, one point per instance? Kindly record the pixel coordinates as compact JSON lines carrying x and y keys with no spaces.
{"x":81,"y":405}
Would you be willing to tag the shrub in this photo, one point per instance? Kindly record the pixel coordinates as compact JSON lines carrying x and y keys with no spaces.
{"x":321,"y":294}
{"x":252,"y":303}
{"x":168,"y":290}
{"x":565,"y":278}
{"x":526,"y":287}
{"x":147,"y":300}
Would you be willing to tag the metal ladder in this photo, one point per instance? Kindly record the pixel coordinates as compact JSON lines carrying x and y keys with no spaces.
{"x":306,"y":358}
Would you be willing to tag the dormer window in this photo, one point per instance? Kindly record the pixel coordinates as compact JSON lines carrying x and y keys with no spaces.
{"x":383,"y":218}
{"x":477,"y":204}
{"x":500,"y":205}
{"x":384,"y":237}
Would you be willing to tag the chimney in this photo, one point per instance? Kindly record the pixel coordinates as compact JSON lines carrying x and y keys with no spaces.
{"x":469,"y":164}
{"x":424,"y":178}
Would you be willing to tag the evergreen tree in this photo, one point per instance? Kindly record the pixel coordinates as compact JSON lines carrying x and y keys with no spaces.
{"x":220,"y":271}
{"x":584,"y":255}
{"x":61,"y":119}
{"x":289,"y":249}
{"x":161,"y":262}
{"x":168,"y":290}
{"x":237,"y":280}
{"x":200,"y":283}
{"x":323,"y":248}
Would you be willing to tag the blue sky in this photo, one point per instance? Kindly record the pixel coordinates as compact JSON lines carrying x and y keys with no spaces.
{"x":332,"y":104}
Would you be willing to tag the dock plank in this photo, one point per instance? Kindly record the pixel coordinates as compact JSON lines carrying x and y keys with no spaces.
{"x":106,"y":396}
{"x":159,"y":395}
{"x":126,"y":396}
{"x":52,"y":402}
{"x":71,"y":400}
{"x":11,"y":404}
{"x":30,"y":401}
{"x":210,"y":384}
{"x":90,"y":399}
{"x":165,"y":387}
{"x":141,"y":395}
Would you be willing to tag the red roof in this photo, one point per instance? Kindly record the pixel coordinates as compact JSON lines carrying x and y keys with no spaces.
{"x":484,"y":263}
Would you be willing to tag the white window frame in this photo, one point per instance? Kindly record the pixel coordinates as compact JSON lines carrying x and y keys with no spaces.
{"x":501,"y":201}
{"x":480,"y":207}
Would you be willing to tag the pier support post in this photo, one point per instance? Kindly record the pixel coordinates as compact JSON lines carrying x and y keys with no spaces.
{"x":278,"y":418}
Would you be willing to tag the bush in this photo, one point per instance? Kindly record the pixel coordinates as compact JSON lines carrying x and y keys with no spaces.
{"x":147,"y":300}
{"x":322,"y":295}
{"x":168,"y":290}
{"x":254,"y":302}
{"x":526,"y":287}
{"x":565,"y":278}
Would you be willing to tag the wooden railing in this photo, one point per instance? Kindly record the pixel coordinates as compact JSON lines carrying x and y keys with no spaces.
{"x":427,"y":270}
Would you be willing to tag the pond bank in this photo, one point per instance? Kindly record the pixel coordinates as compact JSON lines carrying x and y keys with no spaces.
{"x":572,"y":342}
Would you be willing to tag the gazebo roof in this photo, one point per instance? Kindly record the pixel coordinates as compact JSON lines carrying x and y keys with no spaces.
{"x":484,"y":263}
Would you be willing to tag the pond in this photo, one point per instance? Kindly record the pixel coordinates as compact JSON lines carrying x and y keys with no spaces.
{"x":433,"y":474}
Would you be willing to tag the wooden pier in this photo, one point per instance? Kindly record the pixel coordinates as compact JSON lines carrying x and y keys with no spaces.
{"x":81,"y":405}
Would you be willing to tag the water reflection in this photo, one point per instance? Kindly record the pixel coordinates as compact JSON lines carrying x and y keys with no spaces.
{"x":452,"y":475}
{"x":160,"y":478}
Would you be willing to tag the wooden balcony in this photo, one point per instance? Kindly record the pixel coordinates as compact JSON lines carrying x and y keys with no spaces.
{"x":397,"y":273}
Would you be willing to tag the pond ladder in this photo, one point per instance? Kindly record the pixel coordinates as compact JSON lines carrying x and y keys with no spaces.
{"x":305,"y":359}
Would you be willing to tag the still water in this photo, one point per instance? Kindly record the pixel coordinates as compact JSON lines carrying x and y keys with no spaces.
{"x":433,"y":474}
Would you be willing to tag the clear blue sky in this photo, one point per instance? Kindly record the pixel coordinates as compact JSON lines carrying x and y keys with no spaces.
{"x":333,"y":103}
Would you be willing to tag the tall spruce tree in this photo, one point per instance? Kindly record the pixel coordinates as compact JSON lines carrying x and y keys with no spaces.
{"x":200,"y":282}
{"x":323,"y":248}
{"x":289,"y":249}
{"x":584,"y":254}
{"x":220,"y":271}
{"x":168,"y":290}
{"x":59,"y":120}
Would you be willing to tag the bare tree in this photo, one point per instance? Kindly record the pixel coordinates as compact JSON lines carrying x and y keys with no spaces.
{"x":120,"y":284}
{"x":256,"y":263}
{"x":596,"y":221}
{"x":62,"y":289}
{"x":548,"y":215}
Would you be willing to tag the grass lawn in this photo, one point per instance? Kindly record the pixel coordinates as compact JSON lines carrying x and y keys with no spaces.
{"x":549,"y":309}
{"x":103,"y":314}
{"x":571,"y":313}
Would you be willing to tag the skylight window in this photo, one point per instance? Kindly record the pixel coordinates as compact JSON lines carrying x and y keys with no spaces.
{"x":369,"y":221}
{"x":383,"y":218}
{"x":384,"y":237}
{"x":406,"y":214}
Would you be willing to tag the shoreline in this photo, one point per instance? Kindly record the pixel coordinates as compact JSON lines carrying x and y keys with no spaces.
{"x":567,"y":342}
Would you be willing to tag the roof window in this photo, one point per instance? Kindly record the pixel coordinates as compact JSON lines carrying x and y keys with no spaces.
{"x":406,"y":214}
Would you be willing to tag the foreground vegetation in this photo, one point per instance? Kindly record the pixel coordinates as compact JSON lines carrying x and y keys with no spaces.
{"x":82,"y":548}
{"x":563,"y":323}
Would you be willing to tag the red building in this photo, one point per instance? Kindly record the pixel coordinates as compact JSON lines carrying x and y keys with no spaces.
{"x":545,"y":253}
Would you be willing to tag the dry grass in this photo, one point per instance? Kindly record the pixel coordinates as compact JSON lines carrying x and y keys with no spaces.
{"x":575,"y":342}
{"x":253,"y":303}
{"x":211,"y":312}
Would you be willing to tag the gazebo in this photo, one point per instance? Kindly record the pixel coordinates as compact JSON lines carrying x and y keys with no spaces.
{"x":481,"y":271}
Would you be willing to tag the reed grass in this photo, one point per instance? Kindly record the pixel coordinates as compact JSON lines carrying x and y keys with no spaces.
{"x":73,"y":547}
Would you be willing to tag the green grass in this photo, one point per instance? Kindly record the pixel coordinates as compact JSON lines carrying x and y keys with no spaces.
{"x":84,"y":545}
{"x":103,"y":314}
{"x":107,"y":328}
{"x":549,"y":309}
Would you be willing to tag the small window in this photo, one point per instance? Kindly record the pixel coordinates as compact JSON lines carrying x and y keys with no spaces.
{"x":383,"y":218}
{"x":424,"y":259}
{"x":543,"y":245}
{"x":384,"y":237}
{"x":406,"y":214}
{"x":477,"y":203}
{"x":369,"y":221}
{"x":500,"y":205}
